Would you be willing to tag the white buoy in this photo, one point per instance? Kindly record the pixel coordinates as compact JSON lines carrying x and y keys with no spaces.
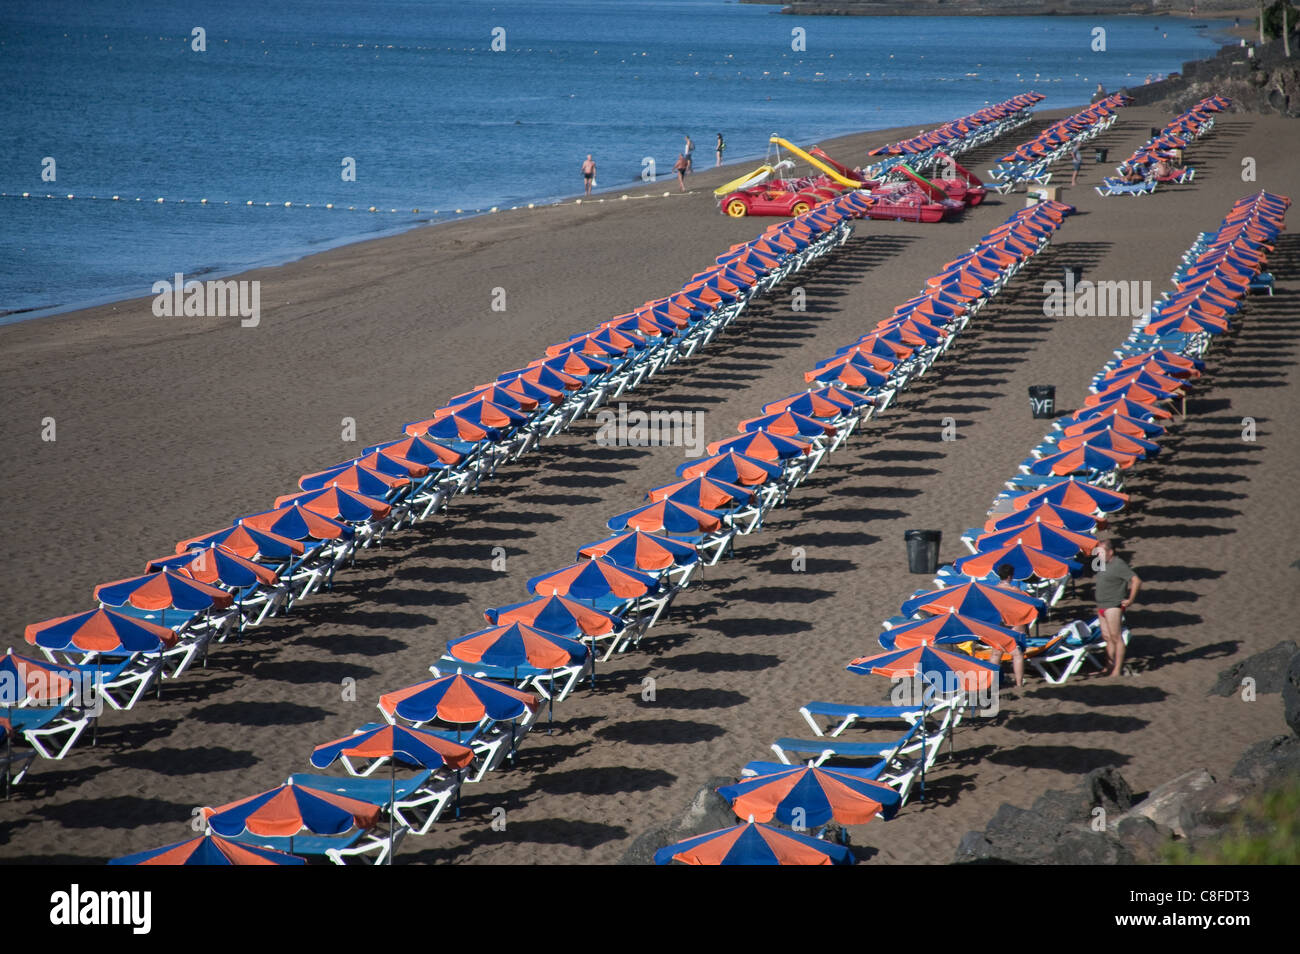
{"x":115,"y":198}
{"x":372,"y":208}
{"x":288,"y":205}
{"x":329,"y":205}
{"x":70,"y":195}
{"x":26,"y":195}
{"x":250,"y":202}
{"x":159,"y":199}
{"x":203,"y":201}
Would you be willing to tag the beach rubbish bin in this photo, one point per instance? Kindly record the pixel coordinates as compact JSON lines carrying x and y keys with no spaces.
{"x":1042,"y":400}
{"x":1073,"y":275}
{"x":922,"y":550}
{"x":1102,"y":154}
{"x":1155,"y":132}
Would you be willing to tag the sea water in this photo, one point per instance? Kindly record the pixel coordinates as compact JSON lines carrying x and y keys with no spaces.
{"x":445,"y":106}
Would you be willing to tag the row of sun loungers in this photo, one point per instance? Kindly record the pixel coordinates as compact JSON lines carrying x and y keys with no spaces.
{"x":219,"y":584}
{"x":1128,"y":408}
{"x":1169,"y":143}
{"x":603,"y":603}
{"x":620,"y":586}
{"x":215,"y":586}
{"x":924,"y":153}
{"x":1031,"y":161}
{"x":913,"y":734}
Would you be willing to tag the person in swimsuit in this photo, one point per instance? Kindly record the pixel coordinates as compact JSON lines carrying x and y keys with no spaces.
{"x":721,"y":147}
{"x":688,"y":152}
{"x":588,"y":173}
{"x":1117,"y":588}
{"x":680,"y":167}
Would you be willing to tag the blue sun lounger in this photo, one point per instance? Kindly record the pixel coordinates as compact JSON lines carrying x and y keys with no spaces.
{"x":366,"y":847}
{"x":44,"y":725}
{"x":847,"y":715}
{"x":417,"y":802}
{"x":890,"y":768}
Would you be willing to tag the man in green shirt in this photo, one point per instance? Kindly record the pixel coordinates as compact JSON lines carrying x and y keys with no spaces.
{"x":1117,"y":587}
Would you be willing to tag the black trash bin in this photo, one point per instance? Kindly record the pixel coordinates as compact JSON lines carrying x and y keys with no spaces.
{"x":1102,"y":154}
{"x":1073,"y":275}
{"x":922,"y":550}
{"x":1155,"y":132}
{"x":1042,"y":400}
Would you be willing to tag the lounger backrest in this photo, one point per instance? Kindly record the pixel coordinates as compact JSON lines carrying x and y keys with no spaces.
{"x":1077,"y":633}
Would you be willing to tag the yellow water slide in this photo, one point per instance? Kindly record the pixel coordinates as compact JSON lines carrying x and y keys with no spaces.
{"x":815,"y":162}
{"x":748,"y":179}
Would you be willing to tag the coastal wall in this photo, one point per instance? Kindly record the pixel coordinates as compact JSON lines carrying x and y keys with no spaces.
{"x":1268,"y":83}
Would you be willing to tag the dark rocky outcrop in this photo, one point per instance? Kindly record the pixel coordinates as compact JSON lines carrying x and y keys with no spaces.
{"x":1060,"y":828}
{"x":1268,"y":669}
{"x":1267,"y":82}
{"x":1291,"y":694}
{"x":1269,"y":762}
{"x":707,"y":812}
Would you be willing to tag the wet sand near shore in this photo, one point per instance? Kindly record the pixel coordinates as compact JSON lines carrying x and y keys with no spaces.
{"x":168,"y":430}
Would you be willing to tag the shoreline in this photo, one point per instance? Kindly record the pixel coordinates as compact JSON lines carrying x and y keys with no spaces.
{"x":636,"y":189}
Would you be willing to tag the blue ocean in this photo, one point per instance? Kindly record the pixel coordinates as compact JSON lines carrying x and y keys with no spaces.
{"x":444,"y":106}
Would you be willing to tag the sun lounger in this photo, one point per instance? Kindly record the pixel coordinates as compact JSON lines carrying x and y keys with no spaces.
{"x":1111,"y":187}
{"x":364,"y":847}
{"x":548,"y":683}
{"x":847,"y":715}
{"x":44,"y":727}
{"x":416,"y":802}
{"x":1067,"y":652}
{"x":892,"y":768}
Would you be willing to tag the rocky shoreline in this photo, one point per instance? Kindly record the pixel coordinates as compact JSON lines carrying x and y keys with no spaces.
{"x":1102,"y":821}
{"x":1265,"y":82}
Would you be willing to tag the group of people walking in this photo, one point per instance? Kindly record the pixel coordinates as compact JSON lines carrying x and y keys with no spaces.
{"x":683,"y":167}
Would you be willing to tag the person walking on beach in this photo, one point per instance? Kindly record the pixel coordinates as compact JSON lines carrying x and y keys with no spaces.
{"x":680,"y":167}
{"x":721,"y":148}
{"x":1076,"y":161}
{"x":689,"y":152}
{"x":1117,"y":588}
{"x":588,"y":173}
{"x":1005,"y":572}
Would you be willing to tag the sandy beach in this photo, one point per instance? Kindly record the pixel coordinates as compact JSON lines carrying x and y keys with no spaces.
{"x":171,"y":427}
